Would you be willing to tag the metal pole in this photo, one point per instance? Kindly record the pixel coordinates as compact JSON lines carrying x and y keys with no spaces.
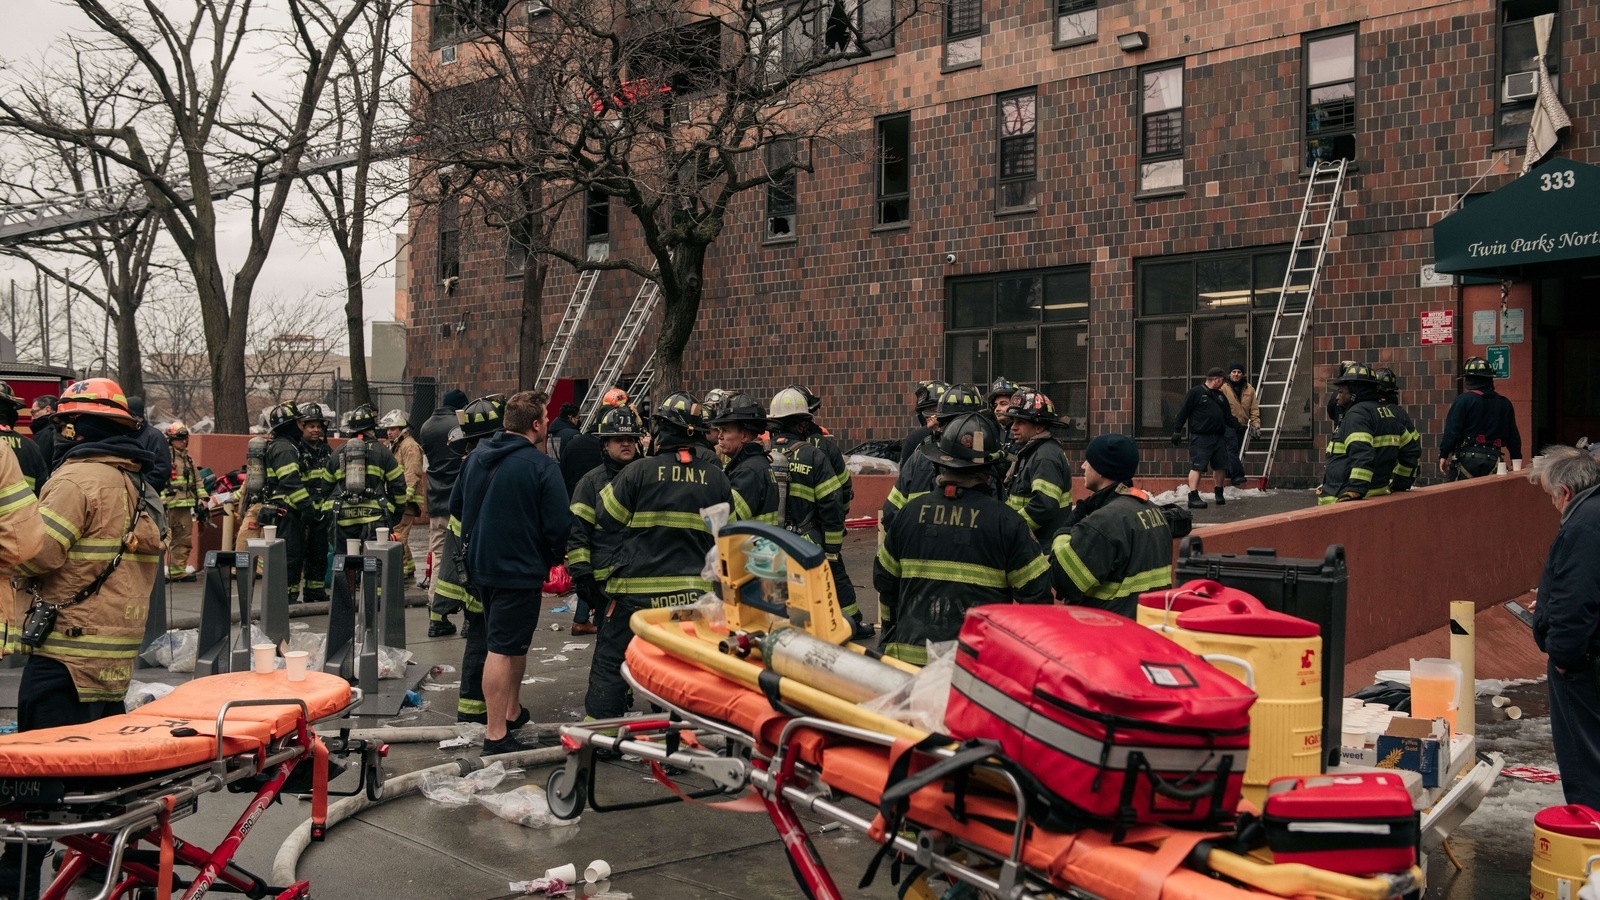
{"x":41,"y":290}
{"x":13,"y":312}
{"x":105,"y":341}
{"x":69,"y":325}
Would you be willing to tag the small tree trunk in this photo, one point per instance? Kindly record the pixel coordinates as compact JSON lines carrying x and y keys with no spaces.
{"x":530,"y":332}
{"x":228,"y":384}
{"x":130,"y":359}
{"x":355,"y":327}
{"x":680,"y":300}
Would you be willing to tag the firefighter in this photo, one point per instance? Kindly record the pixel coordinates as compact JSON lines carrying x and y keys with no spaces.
{"x":44,"y":431}
{"x":405,"y":449}
{"x":1116,"y":543}
{"x":282,"y":498}
{"x":654,"y":506}
{"x":444,"y":467}
{"x":319,"y":476}
{"x":823,"y":440}
{"x":1363,"y":452}
{"x":479,"y":419}
{"x":998,"y":400}
{"x":21,"y":534}
{"x":1038,"y":484}
{"x":35,"y":468}
{"x":928,"y":393}
{"x":1480,"y":428}
{"x":916,"y":472}
{"x":1409,"y":457}
{"x":582,"y":452}
{"x":369,"y":486}
{"x":954,"y":547}
{"x":737,"y":429}
{"x":185,"y":493}
{"x":590,"y":551}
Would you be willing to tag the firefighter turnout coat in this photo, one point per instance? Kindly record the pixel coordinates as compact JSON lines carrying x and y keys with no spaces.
{"x":1116,"y":546}
{"x":1039,"y":486}
{"x":814,"y":507}
{"x":187,"y":488}
{"x":590,"y":550}
{"x":408,"y":453}
{"x":21,"y":535}
{"x":1363,"y":453}
{"x":755,"y":490}
{"x":654,"y":506}
{"x":380,"y":502}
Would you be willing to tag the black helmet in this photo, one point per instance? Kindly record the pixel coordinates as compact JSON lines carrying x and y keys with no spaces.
{"x":359,"y":420}
{"x":1388,"y":382}
{"x":958,"y":399}
{"x":681,"y":411}
{"x":313,"y":412}
{"x":1002,"y":387}
{"x":456,"y":440}
{"x":741,"y":409}
{"x":1356,"y":373}
{"x":1477,"y":367}
{"x":8,"y":397}
{"x":281,"y":416}
{"x":714,"y":401}
{"x":481,"y":417}
{"x":1033,"y":406}
{"x":969,"y":441}
{"x":813,"y":402}
{"x":928,"y":394}
{"x":619,"y":422}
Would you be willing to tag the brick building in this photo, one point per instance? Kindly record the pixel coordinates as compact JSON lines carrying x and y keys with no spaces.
{"x":1100,"y":197}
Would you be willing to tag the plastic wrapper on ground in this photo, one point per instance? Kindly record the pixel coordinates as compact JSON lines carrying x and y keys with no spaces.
{"x":526,"y":806}
{"x":457,"y":790}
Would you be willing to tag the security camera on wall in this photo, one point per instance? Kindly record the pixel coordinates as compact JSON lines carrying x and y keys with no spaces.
{"x":950,"y":258}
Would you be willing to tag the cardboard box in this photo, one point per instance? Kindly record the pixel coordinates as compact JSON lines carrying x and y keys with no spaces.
{"x":1421,"y":745}
{"x":1357,"y":756}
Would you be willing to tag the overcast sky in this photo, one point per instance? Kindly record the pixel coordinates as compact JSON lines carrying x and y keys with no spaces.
{"x":300,"y":264}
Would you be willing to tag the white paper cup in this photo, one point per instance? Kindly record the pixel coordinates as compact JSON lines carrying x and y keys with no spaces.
{"x":599,"y":870}
{"x":265,"y":656}
{"x":1500,"y":467}
{"x":295,"y":662}
{"x":383,"y":535}
{"x":1516,"y":465}
{"x":352,"y":547}
{"x":269,"y":532}
{"x":567,"y":873}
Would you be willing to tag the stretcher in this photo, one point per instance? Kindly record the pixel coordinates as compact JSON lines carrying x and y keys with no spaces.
{"x":102,"y":789}
{"x":796,"y":749}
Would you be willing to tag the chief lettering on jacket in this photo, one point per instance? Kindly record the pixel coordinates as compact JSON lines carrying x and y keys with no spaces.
{"x":692,"y":476}
{"x":949,"y":515}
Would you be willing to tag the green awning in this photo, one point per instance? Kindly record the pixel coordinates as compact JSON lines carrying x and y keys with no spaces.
{"x":1548,"y":215}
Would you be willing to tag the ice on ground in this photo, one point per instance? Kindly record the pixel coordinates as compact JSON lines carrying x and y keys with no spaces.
{"x":1180,"y":494}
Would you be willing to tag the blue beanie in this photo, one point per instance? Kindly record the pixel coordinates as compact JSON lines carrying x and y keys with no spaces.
{"x":1114,"y":456}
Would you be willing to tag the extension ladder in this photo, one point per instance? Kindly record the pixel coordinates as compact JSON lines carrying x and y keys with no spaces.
{"x":556,"y":356}
{"x":621,"y":349}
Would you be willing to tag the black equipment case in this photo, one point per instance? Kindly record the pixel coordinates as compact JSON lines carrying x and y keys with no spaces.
{"x":1310,"y":589}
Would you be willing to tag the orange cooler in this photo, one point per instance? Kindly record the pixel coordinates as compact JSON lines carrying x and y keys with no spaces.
{"x":1564,"y":840}
{"x":1285,"y":654}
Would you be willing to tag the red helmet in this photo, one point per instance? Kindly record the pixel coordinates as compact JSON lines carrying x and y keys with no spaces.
{"x":558,"y":582}
{"x":177,"y":431}
{"x":615,"y":397}
{"x":96,"y":397}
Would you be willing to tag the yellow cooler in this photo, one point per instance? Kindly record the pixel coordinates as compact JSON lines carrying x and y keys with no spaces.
{"x":1565,"y":838}
{"x":1285,"y":654}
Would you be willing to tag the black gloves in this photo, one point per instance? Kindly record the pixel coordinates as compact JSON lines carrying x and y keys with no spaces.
{"x":1177,"y":439}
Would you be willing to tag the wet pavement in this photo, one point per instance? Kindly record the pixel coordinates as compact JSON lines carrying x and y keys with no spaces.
{"x":410,"y":847}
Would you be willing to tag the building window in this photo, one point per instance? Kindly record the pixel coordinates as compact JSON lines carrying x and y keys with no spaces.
{"x":963,"y":33}
{"x":452,"y":21}
{"x":449,"y":243}
{"x":1330,"y":73}
{"x":1161,"y":128}
{"x":780,"y":190}
{"x":1077,"y":21}
{"x":1210,"y":310}
{"x":596,"y":217}
{"x":516,"y":250}
{"x":1031,"y":327}
{"x":1516,"y":90}
{"x":894,"y":169}
{"x":1018,"y":155}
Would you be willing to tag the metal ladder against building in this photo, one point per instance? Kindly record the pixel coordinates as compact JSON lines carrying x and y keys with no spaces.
{"x":645,"y":380}
{"x":1296,"y":300}
{"x":561,"y":344}
{"x":611,"y":365}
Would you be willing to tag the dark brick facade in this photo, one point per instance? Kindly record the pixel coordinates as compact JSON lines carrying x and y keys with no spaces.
{"x":858,"y":312}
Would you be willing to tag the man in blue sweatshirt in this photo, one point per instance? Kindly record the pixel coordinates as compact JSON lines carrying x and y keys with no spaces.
{"x":516,"y":492}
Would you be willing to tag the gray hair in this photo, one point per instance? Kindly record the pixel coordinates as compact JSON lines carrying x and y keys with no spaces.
{"x":1560,"y":466}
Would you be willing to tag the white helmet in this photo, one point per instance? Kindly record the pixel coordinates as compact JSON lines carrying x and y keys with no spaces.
{"x":789,"y":402}
{"x":394,"y":418}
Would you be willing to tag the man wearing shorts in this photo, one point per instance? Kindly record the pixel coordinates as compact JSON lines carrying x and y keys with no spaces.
{"x":1206,"y":412}
{"x":517,"y":495}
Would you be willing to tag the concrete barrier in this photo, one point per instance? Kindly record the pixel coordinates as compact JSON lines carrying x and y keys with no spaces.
{"x":1410,"y":554}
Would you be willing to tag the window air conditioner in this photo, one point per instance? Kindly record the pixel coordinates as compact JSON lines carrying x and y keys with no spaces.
{"x":1520,"y":86}
{"x":447,"y":54}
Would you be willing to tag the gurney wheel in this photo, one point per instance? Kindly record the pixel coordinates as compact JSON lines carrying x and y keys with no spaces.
{"x":375,"y":781}
{"x":564,"y":791}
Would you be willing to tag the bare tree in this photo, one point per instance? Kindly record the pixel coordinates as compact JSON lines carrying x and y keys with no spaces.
{"x":670,"y":110}
{"x":291,"y":349}
{"x":187,"y":67}
{"x":175,"y":357}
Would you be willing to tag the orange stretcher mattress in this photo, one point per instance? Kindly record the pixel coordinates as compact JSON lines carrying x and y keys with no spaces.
{"x":142,"y":742}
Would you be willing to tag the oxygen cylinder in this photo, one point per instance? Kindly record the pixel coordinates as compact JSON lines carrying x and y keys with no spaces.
{"x":255,"y":467}
{"x":355,"y":466}
{"x":834,"y":670}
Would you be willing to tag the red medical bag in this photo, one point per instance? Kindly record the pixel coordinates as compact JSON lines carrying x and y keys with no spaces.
{"x":1355,"y":824}
{"x":1115,"y":722}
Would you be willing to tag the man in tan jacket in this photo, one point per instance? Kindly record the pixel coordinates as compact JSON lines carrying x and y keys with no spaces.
{"x":21,"y":534}
{"x":1246,"y":412}
{"x":408,"y":453}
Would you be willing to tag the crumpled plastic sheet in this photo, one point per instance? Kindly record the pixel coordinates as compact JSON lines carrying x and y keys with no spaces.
{"x":457,"y":790}
{"x":392,"y":662}
{"x":526,"y":805}
{"x":140,"y":693}
{"x":921,"y":701}
{"x":715,"y":516}
{"x":176,"y":650}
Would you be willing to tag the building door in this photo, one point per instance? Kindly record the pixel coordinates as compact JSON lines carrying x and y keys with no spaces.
{"x":1571,"y":331}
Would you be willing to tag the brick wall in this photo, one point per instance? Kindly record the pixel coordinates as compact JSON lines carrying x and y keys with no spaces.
{"x":857,"y":312}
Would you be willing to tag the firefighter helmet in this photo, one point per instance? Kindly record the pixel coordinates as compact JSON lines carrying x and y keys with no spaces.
{"x":9,"y":397}
{"x":282,"y":416}
{"x":456,"y":440}
{"x":481,"y":417}
{"x":788,"y":402}
{"x":615,"y":397}
{"x":969,"y":441}
{"x":813,"y":402}
{"x":741,"y":409}
{"x":619,"y":422}
{"x":314,"y":412}
{"x":394,"y":418}
{"x":1357,"y":373}
{"x":681,"y":411}
{"x":1388,"y":382}
{"x":714,"y":401}
{"x":177,"y":431}
{"x":360,"y":420}
{"x":1002,"y":387}
{"x":928,"y":394}
{"x":95,"y":397}
{"x":1033,"y":406}
{"x":1477,"y":367}
{"x":958,"y":399}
